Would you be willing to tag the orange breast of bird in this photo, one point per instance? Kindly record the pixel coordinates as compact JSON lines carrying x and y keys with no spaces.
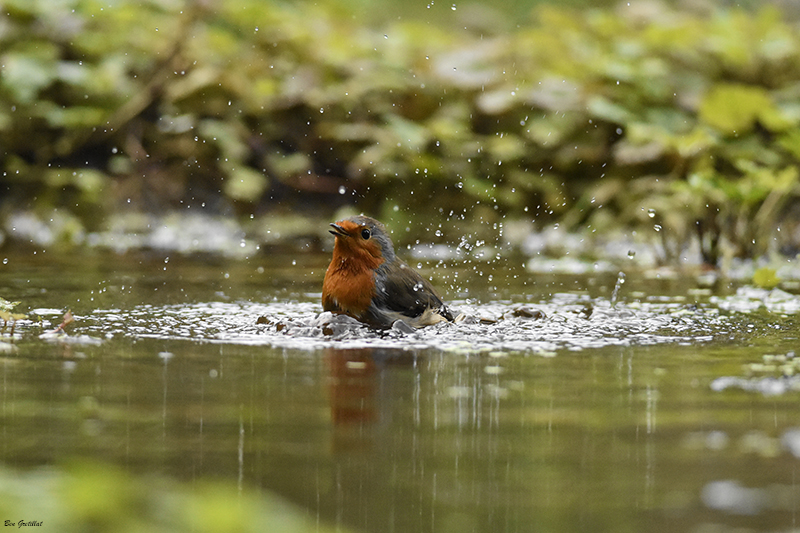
{"x":349,"y":283}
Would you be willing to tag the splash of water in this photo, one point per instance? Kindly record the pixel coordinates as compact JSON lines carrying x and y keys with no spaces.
{"x":617,"y":286}
{"x":567,"y":321}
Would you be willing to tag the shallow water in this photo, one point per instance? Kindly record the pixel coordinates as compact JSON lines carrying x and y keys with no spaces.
{"x":548,"y":408}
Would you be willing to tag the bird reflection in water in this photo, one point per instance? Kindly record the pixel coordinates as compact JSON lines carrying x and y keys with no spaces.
{"x":359,"y":388}
{"x":353,"y":384}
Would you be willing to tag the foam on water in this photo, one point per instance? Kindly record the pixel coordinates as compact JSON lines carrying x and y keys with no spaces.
{"x":567,"y":321}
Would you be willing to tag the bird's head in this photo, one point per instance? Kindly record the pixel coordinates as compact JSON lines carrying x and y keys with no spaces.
{"x":362,"y":237}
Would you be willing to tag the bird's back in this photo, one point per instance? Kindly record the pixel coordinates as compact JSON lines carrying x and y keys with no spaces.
{"x":401,"y":293}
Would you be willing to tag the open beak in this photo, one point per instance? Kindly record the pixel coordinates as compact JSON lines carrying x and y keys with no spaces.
{"x":338,"y":231}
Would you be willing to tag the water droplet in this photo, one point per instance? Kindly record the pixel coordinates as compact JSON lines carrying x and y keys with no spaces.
{"x":657,"y":227}
{"x":342,"y":189}
{"x":631,"y":254}
{"x":615,"y":292}
{"x":651,"y":213}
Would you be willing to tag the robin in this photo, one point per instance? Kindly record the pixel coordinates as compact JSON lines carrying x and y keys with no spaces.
{"x":368,"y":282}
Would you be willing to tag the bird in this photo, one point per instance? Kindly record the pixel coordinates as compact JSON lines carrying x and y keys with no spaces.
{"x":367,"y":281}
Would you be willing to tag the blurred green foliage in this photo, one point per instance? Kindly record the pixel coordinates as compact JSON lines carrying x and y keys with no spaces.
{"x":639,"y":115}
{"x":91,"y":496}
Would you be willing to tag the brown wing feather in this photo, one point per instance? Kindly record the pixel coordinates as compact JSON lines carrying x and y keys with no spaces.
{"x":401,"y":289}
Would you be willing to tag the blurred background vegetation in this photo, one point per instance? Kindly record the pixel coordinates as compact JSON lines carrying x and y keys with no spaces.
{"x":83,"y":495}
{"x":678,"y":120}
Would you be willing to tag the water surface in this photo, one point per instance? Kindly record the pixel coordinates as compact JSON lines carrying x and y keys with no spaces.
{"x":550,"y":408}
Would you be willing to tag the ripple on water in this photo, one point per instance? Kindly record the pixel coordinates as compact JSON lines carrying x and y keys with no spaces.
{"x":748,"y":299}
{"x":567,"y":321}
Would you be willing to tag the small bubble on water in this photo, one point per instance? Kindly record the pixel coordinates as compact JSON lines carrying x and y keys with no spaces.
{"x":342,"y":189}
{"x":657,"y":227}
{"x":631,"y":254}
{"x":651,"y":213}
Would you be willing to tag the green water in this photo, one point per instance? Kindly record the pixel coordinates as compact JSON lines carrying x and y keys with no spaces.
{"x":606,"y":422}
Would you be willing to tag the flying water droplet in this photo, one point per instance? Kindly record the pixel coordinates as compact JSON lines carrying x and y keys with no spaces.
{"x":615,"y":293}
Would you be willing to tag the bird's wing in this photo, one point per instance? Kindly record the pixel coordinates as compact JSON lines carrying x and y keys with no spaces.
{"x":401,"y":289}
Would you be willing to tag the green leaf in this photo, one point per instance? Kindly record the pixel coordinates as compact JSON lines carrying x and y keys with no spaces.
{"x":25,"y":76}
{"x":7,"y":306}
{"x":75,"y":116}
{"x":509,"y":147}
{"x":407,"y":133}
{"x":734,"y":108}
{"x":790,"y":142}
{"x":693,"y":142}
{"x":225,"y":134}
{"x":245,"y":184}
{"x":766,"y":278}
{"x":605,"y":109}
{"x":287,"y":166}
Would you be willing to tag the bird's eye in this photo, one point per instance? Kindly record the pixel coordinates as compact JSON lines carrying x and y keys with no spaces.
{"x":365,"y":234}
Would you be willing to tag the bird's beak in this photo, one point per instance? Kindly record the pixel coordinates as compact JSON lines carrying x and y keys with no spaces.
{"x":338,"y":231}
